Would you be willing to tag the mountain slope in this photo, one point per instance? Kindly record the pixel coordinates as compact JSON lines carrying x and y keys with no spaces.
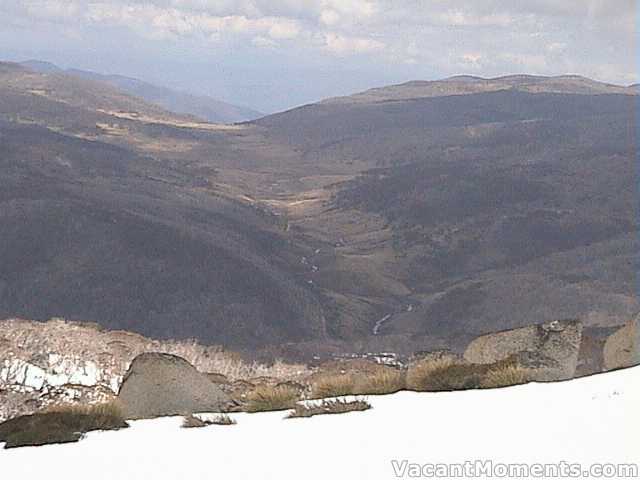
{"x":474,"y":211}
{"x":94,"y":228}
{"x":200,"y":106}
{"x":352,"y":225}
{"x":465,"y":85}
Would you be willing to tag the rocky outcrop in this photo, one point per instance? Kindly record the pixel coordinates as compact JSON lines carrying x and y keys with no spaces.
{"x":159,"y":385}
{"x":622,"y":349}
{"x":549,"y":350}
{"x":58,"y":361}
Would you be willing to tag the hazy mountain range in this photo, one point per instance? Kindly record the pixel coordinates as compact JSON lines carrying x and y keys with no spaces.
{"x":201,"y":106}
{"x":407,"y":217}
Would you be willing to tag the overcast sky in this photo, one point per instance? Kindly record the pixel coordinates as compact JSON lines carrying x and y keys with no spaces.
{"x":275,"y":54}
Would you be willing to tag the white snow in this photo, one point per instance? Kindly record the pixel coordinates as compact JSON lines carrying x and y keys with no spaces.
{"x":586,"y":421}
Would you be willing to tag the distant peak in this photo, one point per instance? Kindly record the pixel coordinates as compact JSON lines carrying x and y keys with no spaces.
{"x":470,"y":84}
{"x":464,"y":78}
{"x":10,"y":67}
{"x":41,"y":66}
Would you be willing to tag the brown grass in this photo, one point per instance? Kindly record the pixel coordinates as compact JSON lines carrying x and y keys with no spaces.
{"x":378,"y":382}
{"x":506,"y":376}
{"x":333,"y":385}
{"x":101,"y":414}
{"x":61,"y":424}
{"x":265,"y":398}
{"x":329,"y":407}
{"x":223,"y":419}
{"x":419,"y":372}
{"x":194,"y":422}
{"x":444,"y":375}
{"x":381,"y":382}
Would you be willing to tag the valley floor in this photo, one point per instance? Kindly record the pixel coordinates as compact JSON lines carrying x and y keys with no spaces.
{"x":586,"y":421}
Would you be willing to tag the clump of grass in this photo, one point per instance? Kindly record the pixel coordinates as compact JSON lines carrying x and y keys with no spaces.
{"x":61,"y":424}
{"x":445,"y":374}
{"x":265,"y":398}
{"x":506,"y":376}
{"x":381,"y":382}
{"x":419,"y":372}
{"x":333,"y":385}
{"x":194,"y":422}
{"x":97,"y":410}
{"x":329,"y":407}
{"x":223,"y":419}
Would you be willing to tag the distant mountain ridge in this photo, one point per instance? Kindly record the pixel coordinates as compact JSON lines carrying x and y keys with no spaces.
{"x":467,"y":84}
{"x":201,"y":106}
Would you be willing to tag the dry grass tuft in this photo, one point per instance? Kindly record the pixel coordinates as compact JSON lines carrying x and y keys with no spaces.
{"x":265,"y":398}
{"x":223,"y":419}
{"x":381,"y":382}
{"x":419,"y":372}
{"x":329,"y":407}
{"x":112,"y":408}
{"x":445,"y":375}
{"x":507,"y":376}
{"x":194,"y":422}
{"x":61,"y":424}
{"x":333,"y":385}
{"x":378,"y":382}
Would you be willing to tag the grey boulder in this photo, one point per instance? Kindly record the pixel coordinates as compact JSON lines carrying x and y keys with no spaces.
{"x":622,"y":349}
{"x":550,"y":351}
{"x":159,"y":384}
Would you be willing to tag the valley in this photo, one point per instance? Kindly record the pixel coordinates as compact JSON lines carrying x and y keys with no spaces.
{"x":407,"y":218}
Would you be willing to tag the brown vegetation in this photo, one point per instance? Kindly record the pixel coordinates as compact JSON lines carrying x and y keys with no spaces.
{"x":333,"y":385}
{"x":195,"y":422}
{"x":506,"y":376}
{"x":328,"y":407}
{"x":266,"y":398}
{"x":61,"y":424}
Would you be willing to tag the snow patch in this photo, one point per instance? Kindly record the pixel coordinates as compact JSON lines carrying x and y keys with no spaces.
{"x":585,"y":421}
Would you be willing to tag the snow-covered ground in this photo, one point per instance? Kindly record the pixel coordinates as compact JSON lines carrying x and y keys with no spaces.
{"x":586,"y":421}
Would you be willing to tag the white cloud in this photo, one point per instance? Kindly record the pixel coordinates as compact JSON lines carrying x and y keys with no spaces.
{"x":329,"y":17}
{"x":461,"y":18}
{"x":473,"y":60}
{"x":343,"y":45}
{"x":442,"y":35}
{"x":264,"y":42}
{"x":556,"y":47}
{"x":282,"y":29}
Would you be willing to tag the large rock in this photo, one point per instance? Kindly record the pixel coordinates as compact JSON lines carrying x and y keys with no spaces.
{"x":622,"y":349}
{"x":549,"y":350}
{"x":159,"y":384}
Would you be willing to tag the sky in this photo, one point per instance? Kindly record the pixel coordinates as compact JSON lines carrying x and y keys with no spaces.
{"x":276,"y":54}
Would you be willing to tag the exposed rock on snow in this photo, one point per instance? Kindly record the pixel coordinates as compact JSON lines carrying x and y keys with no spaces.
{"x":160,"y":385}
{"x":44,"y":363}
{"x":550,"y":350}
